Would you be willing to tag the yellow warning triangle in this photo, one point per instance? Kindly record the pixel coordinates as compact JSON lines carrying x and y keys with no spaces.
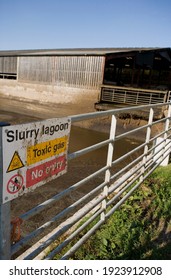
{"x":15,"y":163}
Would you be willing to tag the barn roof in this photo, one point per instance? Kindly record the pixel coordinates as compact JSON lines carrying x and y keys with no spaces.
{"x":77,"y":51}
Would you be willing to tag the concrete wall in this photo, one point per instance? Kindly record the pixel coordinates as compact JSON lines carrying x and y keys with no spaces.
{"x":84,"y":98}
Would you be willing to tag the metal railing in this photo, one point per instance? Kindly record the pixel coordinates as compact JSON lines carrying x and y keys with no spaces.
{"x":110,"y":187}
{"x":134,"y":96}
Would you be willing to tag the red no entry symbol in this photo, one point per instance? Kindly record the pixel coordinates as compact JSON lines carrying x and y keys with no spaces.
{"x":15,"y":184}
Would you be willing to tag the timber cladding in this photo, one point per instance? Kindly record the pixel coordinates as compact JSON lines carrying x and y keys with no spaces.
{"x":66,"y":71}
{"x":8,"y":64}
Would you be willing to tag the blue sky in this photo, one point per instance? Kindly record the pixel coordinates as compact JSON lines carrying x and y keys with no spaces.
{"x":48,"y":24}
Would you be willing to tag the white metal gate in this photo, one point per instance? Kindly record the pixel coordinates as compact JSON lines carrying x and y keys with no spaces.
{"x":101,"y":201}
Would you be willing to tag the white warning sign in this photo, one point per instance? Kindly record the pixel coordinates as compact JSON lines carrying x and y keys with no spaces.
{"x":33,"y":154}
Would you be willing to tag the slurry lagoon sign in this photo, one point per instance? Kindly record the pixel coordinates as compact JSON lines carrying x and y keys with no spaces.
{"x":33,"y":154}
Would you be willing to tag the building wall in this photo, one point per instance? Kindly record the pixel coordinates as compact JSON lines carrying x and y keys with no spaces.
{"x":8,"y":64}
{"x":65,"y":71}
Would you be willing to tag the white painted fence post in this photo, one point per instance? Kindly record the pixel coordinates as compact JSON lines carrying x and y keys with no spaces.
{"x":148,"y":135}
{"x":167,"y":123}
{"x":109,"y":162}
{"x":160,"y":149}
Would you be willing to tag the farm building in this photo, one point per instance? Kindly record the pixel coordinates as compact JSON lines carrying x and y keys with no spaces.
{"x":88,"y":76}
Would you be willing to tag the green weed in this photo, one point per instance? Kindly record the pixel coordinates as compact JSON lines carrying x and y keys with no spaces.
{"x":140,"y":229}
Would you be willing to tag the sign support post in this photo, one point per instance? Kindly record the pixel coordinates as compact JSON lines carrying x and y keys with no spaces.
{"x":5,"y":213}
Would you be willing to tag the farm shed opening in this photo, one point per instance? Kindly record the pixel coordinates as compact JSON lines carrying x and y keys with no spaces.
{"x":135,"y":77}
{"x":144,"y":69}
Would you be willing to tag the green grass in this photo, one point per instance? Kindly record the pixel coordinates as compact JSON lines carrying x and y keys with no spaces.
{"x":140,"y":228}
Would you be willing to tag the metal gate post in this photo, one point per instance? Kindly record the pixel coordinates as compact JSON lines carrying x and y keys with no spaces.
{"x":167,"y":123}
{"x":5,"y":213}
{"x":109,"y":163}
{"x":148,"y":135}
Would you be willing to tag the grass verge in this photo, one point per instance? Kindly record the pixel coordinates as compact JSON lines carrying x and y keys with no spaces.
{"x":140,"y":228}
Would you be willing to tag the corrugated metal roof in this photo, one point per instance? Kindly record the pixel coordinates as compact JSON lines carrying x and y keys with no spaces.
{"x":75,"y":51}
